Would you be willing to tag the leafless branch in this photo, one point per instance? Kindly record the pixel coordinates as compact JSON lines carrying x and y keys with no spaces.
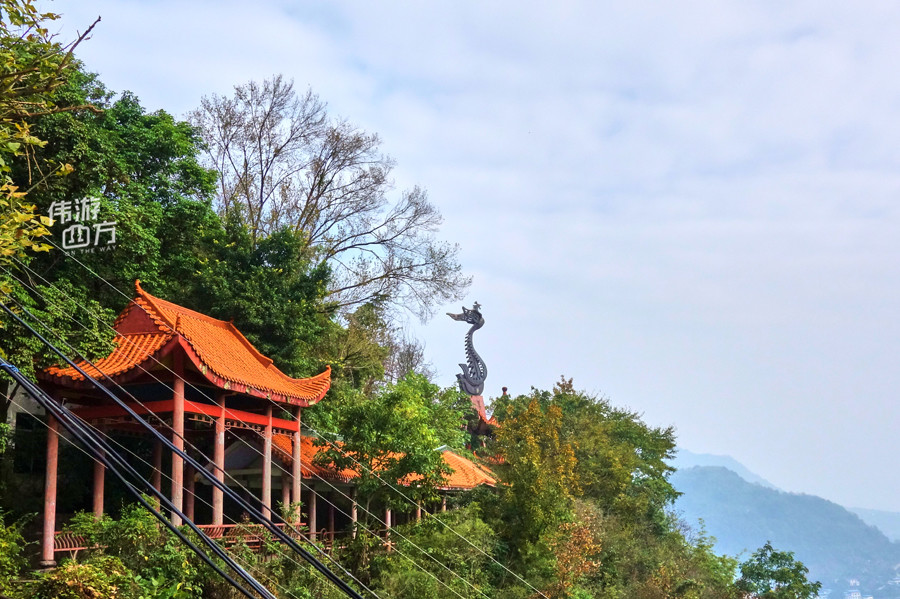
{"x":282,"y":162}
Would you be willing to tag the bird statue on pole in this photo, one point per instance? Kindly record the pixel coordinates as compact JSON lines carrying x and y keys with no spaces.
{"x":474,"y":372}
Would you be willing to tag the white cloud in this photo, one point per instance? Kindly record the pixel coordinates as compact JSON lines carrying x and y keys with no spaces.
{"x":690,"y":206}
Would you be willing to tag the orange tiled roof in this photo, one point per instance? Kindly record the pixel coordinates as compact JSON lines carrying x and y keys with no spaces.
{"x":465,"y":474}
{"x":222,"y":353}
{"x":308,"y":452}
{"x":130,"y":351}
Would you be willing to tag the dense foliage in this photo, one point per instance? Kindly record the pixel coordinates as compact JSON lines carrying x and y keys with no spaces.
{"x":392,"y":436}
{"x":32,"y":65}
{"x":773,"y":574}
{"x":583,"y":505}
{"x":12,"y":549}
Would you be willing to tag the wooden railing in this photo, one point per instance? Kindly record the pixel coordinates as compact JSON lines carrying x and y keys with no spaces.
{"x":252,"y":535}
{"x":230,"y":534}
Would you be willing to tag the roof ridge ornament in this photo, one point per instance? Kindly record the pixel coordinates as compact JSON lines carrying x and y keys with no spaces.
{"x":474,"y":371}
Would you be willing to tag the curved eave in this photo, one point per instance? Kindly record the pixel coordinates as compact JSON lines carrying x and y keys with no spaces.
{"x":73,"y":380}
{"x":323,"y":378}
{"x":68,"y":380}
{"x":466,"y":488}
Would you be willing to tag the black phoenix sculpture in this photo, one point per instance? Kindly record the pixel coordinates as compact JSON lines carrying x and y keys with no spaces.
{"x":474,"y":372}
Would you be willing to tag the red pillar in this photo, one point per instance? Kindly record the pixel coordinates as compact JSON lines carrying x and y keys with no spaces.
{"x":312,"y":512}
{"x":218,"y":498}
{"x":156,"y":475}
{"x":418,"y":511}
{"x":285,"y":490}
{"x":267,"y":466}
{"x":353,"y":511}
{"x":99,"y":475}
{"x":295,"y":466}
{"x":387,"y":527}
{"x":331,"y":500}
{"x":178,"y":437}
{"x":48,"y":541}
{"x":189,"y":493}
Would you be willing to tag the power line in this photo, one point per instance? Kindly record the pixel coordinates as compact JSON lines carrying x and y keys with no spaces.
{"x":256,"y":514}
{"x":162,"y":422}
{"x":104,"y":454}
{"x":424,"y":552}
{"x":317,"y":433}
{"x":140,"y":459}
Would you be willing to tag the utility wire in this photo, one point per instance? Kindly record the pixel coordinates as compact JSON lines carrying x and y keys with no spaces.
{"x":102,"y":453}
{"x":277,"y":465}
{"x":110,"y":439}
{"x":256,"y":514}
{"x":162,"y":422}
{"x":423,"y":551}
{"x":317,"y":433}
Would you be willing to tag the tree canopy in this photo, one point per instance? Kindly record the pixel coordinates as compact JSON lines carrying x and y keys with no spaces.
{"x":773,"y":574}
{"x":394,"y":436}
{"x":282,"y":161}
{"x":32,"y":65}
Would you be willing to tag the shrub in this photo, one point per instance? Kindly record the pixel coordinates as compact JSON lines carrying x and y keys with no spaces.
{"x":100,"y":577}
{"x":157,"y":557}
{"x":12,"y":546}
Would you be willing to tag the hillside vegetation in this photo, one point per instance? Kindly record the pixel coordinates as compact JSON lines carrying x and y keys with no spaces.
{"x":834,"y":543}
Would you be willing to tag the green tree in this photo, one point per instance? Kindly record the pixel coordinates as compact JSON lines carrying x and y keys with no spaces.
{"x":62,"y":312}
{"x":621,"y":460}
{"x":563,"y":448}
{"x":395,"y":435}
{"x":272,"y":294}
{"x":12,"y":552}
{"x":32,"y":65}
{"x":537,"y":469}
{"x":460,"y":542}
{"x":143,"y":167}
{"x":772,"y":574}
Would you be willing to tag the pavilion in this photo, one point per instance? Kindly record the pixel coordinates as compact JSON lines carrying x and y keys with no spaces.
{"x":198,"y":374}
{"x":203,"y":378}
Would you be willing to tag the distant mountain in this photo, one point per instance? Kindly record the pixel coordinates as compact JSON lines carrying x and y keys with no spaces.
{"x":685,"y":459}
{"x":886,"y":522}
{"x":832,"y":542}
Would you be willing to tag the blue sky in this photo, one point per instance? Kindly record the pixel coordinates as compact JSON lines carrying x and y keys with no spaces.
{"x":690,"y":208}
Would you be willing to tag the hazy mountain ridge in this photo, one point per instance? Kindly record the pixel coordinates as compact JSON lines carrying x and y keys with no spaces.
{"x":886,"y":522}
{"x":834,"y":543}
{"x":685,"y":459}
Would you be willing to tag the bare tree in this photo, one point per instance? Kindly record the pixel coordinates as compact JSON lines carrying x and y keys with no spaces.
{"x":282,"y":161}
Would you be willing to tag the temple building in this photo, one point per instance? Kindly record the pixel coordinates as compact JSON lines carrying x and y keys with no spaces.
{"x":227,"y":405}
